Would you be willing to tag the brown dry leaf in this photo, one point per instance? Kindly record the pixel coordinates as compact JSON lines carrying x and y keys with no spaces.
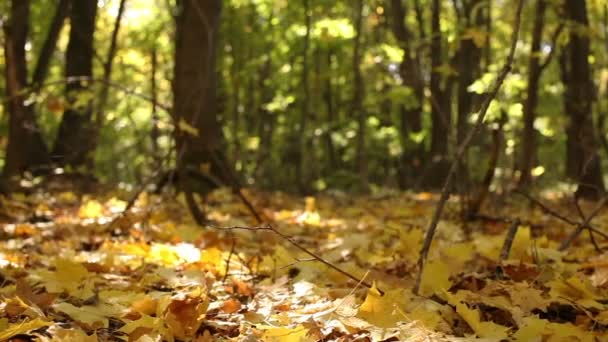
{"x":185,"y":313}
{"x":231,"y":306}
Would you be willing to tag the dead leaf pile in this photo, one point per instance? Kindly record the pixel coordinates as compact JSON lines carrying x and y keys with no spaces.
{"x":81,"y":269}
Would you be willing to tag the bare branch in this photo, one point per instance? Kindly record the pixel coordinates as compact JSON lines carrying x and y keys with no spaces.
{"x":463,"y":147}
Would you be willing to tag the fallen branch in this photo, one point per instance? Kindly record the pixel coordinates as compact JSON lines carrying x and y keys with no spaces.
{"x":463,"y":147}
{"x":585,"y":222}
{"x":316,"y":257}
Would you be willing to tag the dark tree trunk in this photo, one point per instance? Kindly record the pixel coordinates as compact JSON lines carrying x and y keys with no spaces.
{"x":411,"y":116}
{"x":201,"y":162}
{"x":155,"y":131}
{"x":26,"y":150}
{"x":50,"y":43}
{"x":75,"y":143}
{"x":441,"y":113}
{"x":529,"y":136}
{"x":468,"y":67}
{"x":583,"y":161}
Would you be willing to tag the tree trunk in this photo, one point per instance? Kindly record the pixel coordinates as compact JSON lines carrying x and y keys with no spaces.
{"x":26,"y":150}
{"x":469,"y":67}
{"x":201,"y":163}
{"x":411,"y":115}
{"x":529,"y":137}
{"x":50,"y":43}
{"x":358,"y":93}
{"x":583,"y":161}
{"x":441,"y":113}
{"x":155,"y":131}
{"x":75,"y":143}
{"x":328,"y":97}
{"x":301,"y":155}
{"x":107,"y":67}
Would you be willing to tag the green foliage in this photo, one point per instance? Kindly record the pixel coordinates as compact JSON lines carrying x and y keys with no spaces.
{"x":261,"y":92}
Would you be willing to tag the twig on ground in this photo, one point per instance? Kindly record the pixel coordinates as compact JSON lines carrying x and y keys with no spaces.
{"x":586,"y":224}
{"x":132,"y":201}
{"x":463,"y":147}
{"x":580,"y":226}
{"x":545,"y":208}
{"x":294,"y":243}
{"x":232,"y":249}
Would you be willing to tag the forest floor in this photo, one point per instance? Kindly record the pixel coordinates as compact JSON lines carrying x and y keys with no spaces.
{"x":80,"y":268}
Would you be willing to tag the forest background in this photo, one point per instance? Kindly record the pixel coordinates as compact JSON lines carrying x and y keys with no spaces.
{"x":313,"y":95}
{"x":376,"y":110}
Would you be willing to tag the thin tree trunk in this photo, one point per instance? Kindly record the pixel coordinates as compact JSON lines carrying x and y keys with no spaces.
{"x":529,"y":136}
{"x":358,"y":93}
{"x":25,"y":150}
{"x":154,"y":132}
{"x":107,"y":67}
{"x":441,"y":116}
{"x":74,"y":145}
{"x":411,"y":116}
{"x":50,"y":43}
{"x":468,"y":68}
{"x":583,"y":161}
{"x":302,"y":157}
{"x":331,"y":114}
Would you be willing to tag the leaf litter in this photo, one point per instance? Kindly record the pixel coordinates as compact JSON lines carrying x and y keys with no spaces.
{"x":78,"y":268}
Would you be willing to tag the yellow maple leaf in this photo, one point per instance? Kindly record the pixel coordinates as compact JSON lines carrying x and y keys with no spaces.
{"x":69,"y":276}
{"x":576,"y":290}
{"x":71,"y":335}
{"x":297,"y":334}
{"x":10,"y":330}
{"x":435,"y":278}
{"x":144,"y":322}
{"x":473,"y":319}
{"x":537,"y":329}
{"x":383,"y":311}
{"x":91,"y":209}
{"x":410,"y":242}
{"x":87,"y":314}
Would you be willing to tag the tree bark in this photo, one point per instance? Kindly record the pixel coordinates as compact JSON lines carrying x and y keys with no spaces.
{"x":107,"y":67}
{"x":26,"y":150}
{"x":75,"y":143}
{"x":358,"y":93}
{"x":529,"y":136}
{"x":303,"y":140}
{"x":468,"y":67}
{"x":583,"y":161}
{"x":441,"y":113}
{"x":201,"y":162}
{"x":50,"y":43}
{"x":411,"y":116}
